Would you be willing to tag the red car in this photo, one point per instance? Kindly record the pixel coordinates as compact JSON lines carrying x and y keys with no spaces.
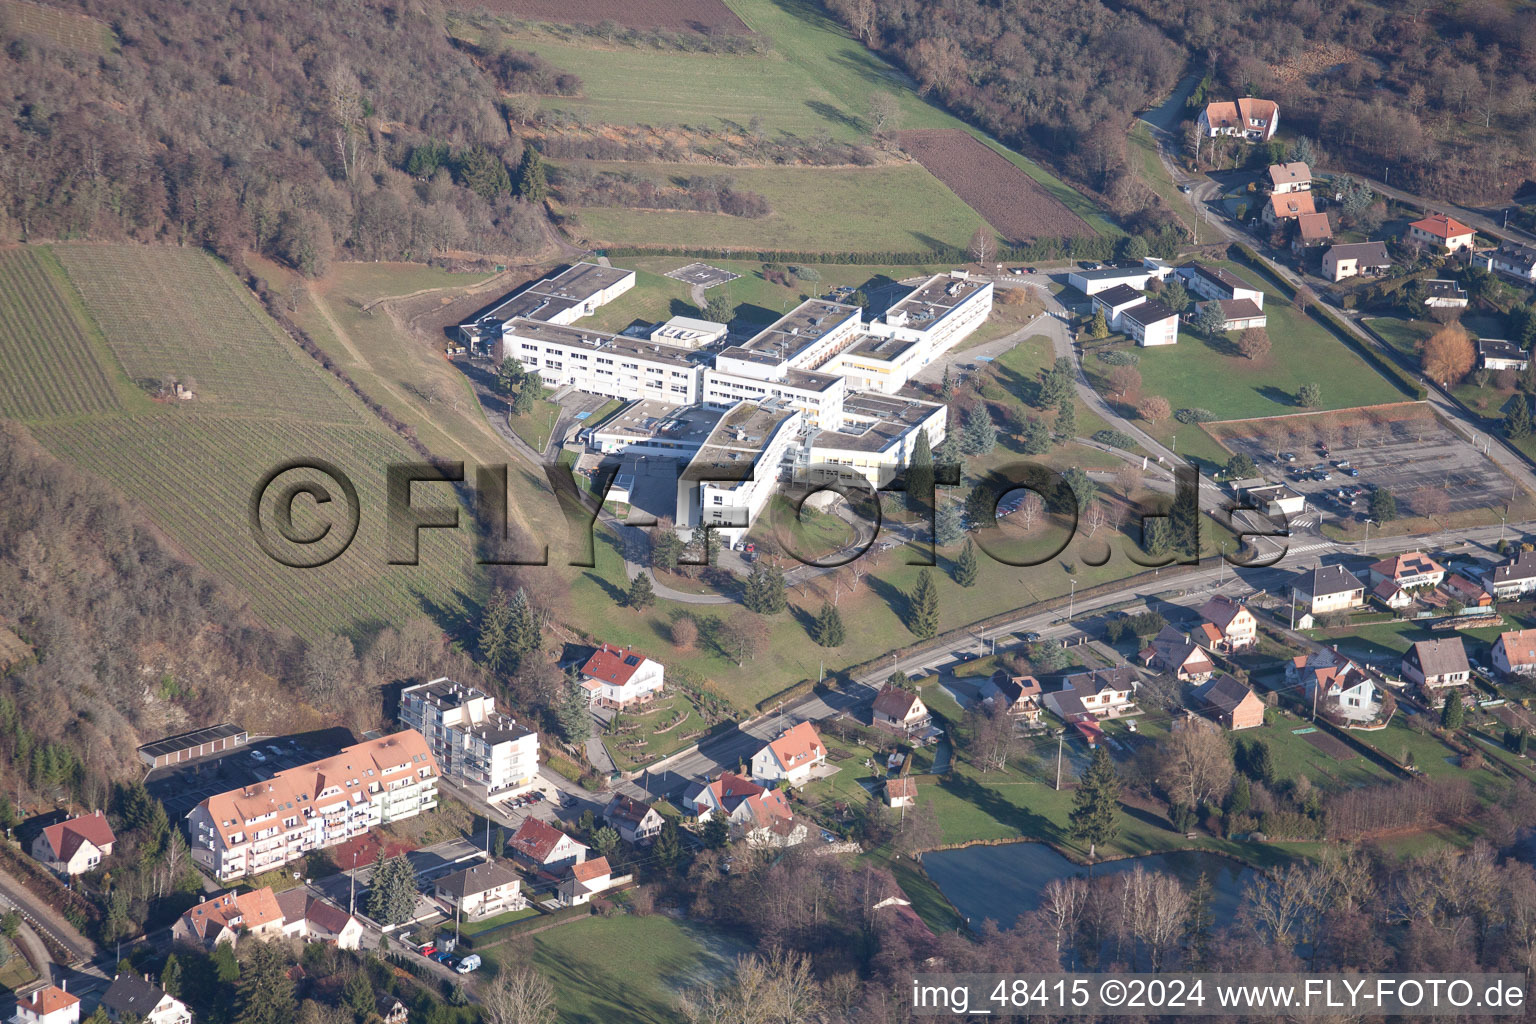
{"x":428,"y":950}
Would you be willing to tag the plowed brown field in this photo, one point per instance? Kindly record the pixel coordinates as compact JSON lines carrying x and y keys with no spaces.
{"x":1016,"y":205}
{"x":675,"y":15}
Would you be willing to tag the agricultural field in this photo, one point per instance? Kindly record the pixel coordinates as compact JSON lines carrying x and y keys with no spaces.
{"x":187,"y":317}
{"x":704,"y":16}
{"x":1011,"y":201}
{"x":895,"y":207}
{"x":67,"y":29}
{"x":55,"y":361}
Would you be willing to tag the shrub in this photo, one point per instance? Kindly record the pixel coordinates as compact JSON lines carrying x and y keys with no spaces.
{"x":1118,"y":357}
{"x":1194,"y":416}
{"x":1115,"y":439}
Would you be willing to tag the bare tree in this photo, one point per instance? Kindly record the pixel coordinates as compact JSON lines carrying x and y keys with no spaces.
{"x":983,"y":244}
{"x":779,"y":988}
{"x":992,"y":736}
{"x":345,"y":99}
{"x":1030,"y":510}
{"x":1253,"y":343}
{"x":1304,"y":299}
{"x":884,"y":113}
{"x":1096,"y":516}
{"x":1196,"y":762}
{"x":1062,"y":901}
{"x":1281,"y":902}
{"x":1167,"y":910}
{"x":518,"y":995}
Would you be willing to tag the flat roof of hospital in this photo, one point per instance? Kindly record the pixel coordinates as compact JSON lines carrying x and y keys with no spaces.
{"x":744,"y":431}
{"x":893,"y":417}
{"x":795,"y":331}
{"x":650,"y":418}
{"x":935,"y":297}
{"x":886,"y":350}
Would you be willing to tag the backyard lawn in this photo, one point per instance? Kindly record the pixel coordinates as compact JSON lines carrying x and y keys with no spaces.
{"x":536,"y":425}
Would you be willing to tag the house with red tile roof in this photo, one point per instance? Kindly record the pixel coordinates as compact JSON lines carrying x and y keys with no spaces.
{"x":635,"y":820}
{"x":1018,"y":695}
{"x":792,"y":757}
{"x":1250,"y":119}
{"x":585,"y":880}
{"x":316,"y":920}
{"x":900,"y":710}
{"x":545,"y":847}
{"x":1312,"y":229}
{"x":742,"y":801}
{"x":901,"y":792}
{"x":1332,"y":683}
{"x":75,"y":846}
{"x":616,"y":677}
{"x":1288,"y":206}
{"x":1232,"y":625}
{"x":1413,"y":569}
{"x":48,"y":1005}
{"x":228,"y":916}
{"x":1514,"y":653}
{"x":1437,"y":231}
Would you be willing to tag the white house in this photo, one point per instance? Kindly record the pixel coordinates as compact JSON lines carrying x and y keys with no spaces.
{"x":1274,"y":499}
{"x":743,"y":802}
{"x":48,"y":1005}
{"x":618,"y":677}
{"x":481,"y":890}
{"x":1231,"y":626}
{"x":1218,"y":283}
{"x":1237,"y":314}
{"x":635,"y":820}
{"x":1332,"y":682}
{"x":792,"y":757}
{"x":545,"y":847}
{"x":75,"y":846}
{"x":1329,"y":588}
{"x":313,"y":919}
{"x":1114,"y":301}
{"x":1440,"y":293}
{"x":1436,"y":664}
{"x":1292,"y":177}
{"x":230,"y":916}
{"x":1353,"y":258}
{"x":1413,"y":569}
{"x":1249,"y":118}
{"x":135,"y":998}
{"x":1437,"y":231}
{"x":1498,"y":354}
{"x":1099,"y":693}
{"x":1514,"y":653}
{"x":585,"y":880}
{"x":1091,"y":282}
{"x":900,"y":710}
{"x":1512,"y":260}
{"x":1514,"y":579}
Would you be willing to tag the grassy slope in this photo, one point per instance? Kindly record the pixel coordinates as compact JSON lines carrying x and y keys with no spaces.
{"x":893,"y":208}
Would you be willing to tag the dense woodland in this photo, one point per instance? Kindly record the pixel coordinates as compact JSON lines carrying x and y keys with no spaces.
{"x":1444,"y":94}
{"x":271,"y":126}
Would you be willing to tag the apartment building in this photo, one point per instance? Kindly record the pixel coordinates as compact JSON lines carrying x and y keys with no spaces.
{"x":1218,"y":283}
{"x":487,"y":752}
{"x":750,"y":442}
{"x":1248,"y":118}
{"x":875,"y":441}
{"x":602,"y":363}
{"x":267,"y":824}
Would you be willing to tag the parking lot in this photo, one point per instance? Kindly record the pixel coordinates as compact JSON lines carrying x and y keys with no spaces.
{"x":182,"y":787}
{"x":1429,"y":469}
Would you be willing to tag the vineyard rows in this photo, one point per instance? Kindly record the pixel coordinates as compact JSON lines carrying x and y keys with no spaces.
{"x":51,"y":367}
{"x":177,"y":312}
{"x":195,"y":474}
{"x":51,"y":25}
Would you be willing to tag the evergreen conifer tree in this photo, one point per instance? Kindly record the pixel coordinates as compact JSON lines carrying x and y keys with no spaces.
{"x":966,"y":566}
{"x":923,"y":607}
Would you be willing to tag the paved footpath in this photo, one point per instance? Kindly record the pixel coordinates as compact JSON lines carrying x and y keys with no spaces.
{"x":45,"y":919}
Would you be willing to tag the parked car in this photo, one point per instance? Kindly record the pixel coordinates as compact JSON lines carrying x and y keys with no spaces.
{"x":428,"y":950}
{"x":1352,"y":471}
{"x":258,"y":756}
{"x":1032,"y":270}
{"x":468,"y":964}
{"x":1031,"y":637}
{"x":1341,"y":464}
{"x":442,"y":956}
{"x":1286,"y":456}
{"x":1184,"y":189}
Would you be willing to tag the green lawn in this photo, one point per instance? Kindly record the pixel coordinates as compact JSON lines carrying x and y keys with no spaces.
{"x":535,"y":425}
{"x":17,"y":971}
{"x":628,"y":970}
{"x":896,"y":207}
{"x":1403,"y":335}
{"x":486,"y":924}
{"x":674,"y":712}
{"x":1196,"y":373}
{"x":1423,"y":751}
{"x":654,"y":297}
{"x":1145,"y":158}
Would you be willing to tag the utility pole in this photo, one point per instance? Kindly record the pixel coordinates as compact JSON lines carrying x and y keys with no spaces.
{"x":1071,"y":600}
{"x":352,"y":887}
{"x":1059,"y":739}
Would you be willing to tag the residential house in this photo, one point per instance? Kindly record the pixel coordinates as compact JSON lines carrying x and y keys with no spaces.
{"x":313,"y":919}
{"x":1312,"y":230}
{"x":1116,"y":301}
{"x":390,"y":1009}
{"x":1098,"y":693}
{"x":131,"y":997}
{"x":1230,"y":702}
{"x":313,"y":806}
{"x":481,"y":890}
{"x":1437,"y":231}
{"x":1437,"y":664}
{"x":50,"y":1004}
{"x":748,"y":807}
{"x":1414,"y":569}
{"x":585,"y":880}
{"x":1459,"y":588}
{"x":1291,"y":177}
{"x":1236,"y":628}
{"x":1391,"y":595}
{"x":1498,"y":354}
{"x":1353,"y":258}
{"x":635,"y":820}
{"x":796,"y":753}
{"x":617,"y":677}
{"x":1250,"y":119}
{"x":901,"y":792}
{"x":1329,"y":588}
{"x":1237,"y":314}
{"x":1443,"y":294}
{"x":1151,"y":324}
{"x":75,"y":846}
{"x":1513,"y":260}
{"x":228,"y":916}
{"x":1018,"y":695}
{"x":1514,"y":653}
{"x":1514,"y":579}
{"x":545,"y":847}
{"x":1173,"y":652}
{"x":1333,"y":683}
{"x":488,"y":752}
{"x":1218,"y":283}
{"x":1289,"y":206}
{"x":900,"y":710}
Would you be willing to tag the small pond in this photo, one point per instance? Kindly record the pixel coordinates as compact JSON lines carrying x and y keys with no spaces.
{"x":1002,"y":882}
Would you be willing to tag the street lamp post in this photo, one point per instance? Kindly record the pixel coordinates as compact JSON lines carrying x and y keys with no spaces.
{"x":1366,"y":547}
{"x":1071,"y":600}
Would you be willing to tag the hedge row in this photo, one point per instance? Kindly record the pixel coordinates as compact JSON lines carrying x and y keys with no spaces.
{"x":804,"y":688}
{"x":1073,"y":247}
{"x":1394,"y":373}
